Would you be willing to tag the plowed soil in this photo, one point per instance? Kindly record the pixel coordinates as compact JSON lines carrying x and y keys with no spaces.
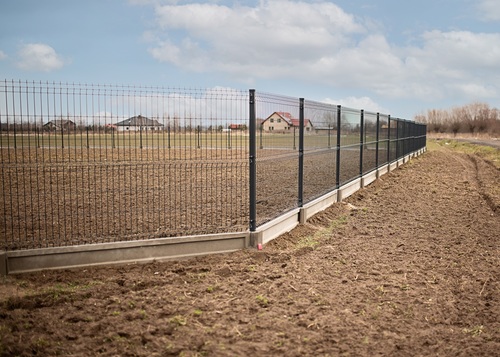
{"x":409,"y":266}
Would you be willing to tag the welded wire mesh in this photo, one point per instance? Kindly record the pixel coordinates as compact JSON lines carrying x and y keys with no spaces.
{"x":84,"y":163}
{"x":350,"y":138}
{"x":369,"y":142}
{"x":277,"y":141}
{"x":87,"y":163}
{"x":339,"y":145}
{"x":320,"y":149}
{"x":383,"y":140}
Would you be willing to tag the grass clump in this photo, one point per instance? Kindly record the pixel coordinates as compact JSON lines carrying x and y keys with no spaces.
{"x":262,"y":300}
{"x":178,"y":320}
{"x":314,"y":240}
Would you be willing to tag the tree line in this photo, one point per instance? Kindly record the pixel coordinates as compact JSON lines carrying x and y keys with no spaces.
{"x":475,"y":118}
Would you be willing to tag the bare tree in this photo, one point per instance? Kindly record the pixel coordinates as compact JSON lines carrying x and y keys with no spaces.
{"x":472,"y":118}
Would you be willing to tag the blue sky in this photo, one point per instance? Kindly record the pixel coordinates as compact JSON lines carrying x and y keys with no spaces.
{"x":396,"y":57}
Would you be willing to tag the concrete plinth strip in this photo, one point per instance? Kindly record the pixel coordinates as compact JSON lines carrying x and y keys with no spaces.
{"x":124,"y":252}
{"x":318,"y":205}
{"x":368,"y":178}
{"x":348,"y":189}
{"x":277,"y":226}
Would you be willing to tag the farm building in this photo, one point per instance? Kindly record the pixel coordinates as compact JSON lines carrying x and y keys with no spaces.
{"x":60,"y":124}
{"x":237,"y":127}
{"x":283,"y":122}
{"x":138,"y":123}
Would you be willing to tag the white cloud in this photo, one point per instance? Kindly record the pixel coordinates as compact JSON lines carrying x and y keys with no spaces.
{"x":260,"y":39}
{"x":489,"y":9}
{"x":456,"y":62}
{"x":371,"y":63}
{"x":365,"y":103}
{"x":318,"y":42}
{"x":476,"y":90}
{"x":39,"y":57}
{"x":2,"y":55}
{"x":462,"y":49}
{"x":166,"y":51}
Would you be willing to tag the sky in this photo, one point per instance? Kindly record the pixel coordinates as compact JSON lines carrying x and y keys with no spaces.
{"x":390,"y":56}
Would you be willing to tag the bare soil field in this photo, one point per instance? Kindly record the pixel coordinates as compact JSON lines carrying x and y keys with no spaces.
{"x":409,"y":266}
{"x":53,"y":198}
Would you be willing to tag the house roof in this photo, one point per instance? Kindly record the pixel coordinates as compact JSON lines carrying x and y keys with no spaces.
{"x":296,"y":122}
{"x":236,"y":126}
{"x":285,"y":115}
{"x":290,"y":120}
{"x":59,"y":122}
{"x":139,"y":120}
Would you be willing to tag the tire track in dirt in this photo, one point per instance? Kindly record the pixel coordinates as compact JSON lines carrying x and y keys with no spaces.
{"x":481,"y":166}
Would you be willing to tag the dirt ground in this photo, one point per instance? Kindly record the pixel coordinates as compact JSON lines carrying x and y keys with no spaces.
{"x":409,"y":266}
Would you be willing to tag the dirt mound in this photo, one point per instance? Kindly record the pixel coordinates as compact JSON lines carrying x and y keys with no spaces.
{"x":408,"y":266}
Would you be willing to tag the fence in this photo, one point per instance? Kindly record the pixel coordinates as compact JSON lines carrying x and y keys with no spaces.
{"x":83,"y":164}
{"x":326,"y":147}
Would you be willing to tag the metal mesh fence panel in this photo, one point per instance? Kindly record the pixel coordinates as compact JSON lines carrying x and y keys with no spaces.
{"x":383,"y":139}
{"x":277,"y":155}
{"x":393,"y":139}
{"x":320,"y":149}
{"x":87,"y":164}
{"x":369,"y":142}
{"x":401,"y":138}
{"x":350,"y":136}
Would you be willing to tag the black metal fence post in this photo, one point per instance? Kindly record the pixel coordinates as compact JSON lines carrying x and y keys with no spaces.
{"x":413,"y":134}
{"x":361,"y":141}
{"x":252,"y":163}
{"x":168,"y":136}
{"x":388,"y":139}
{"x":398,"y":122}
{"x":62,"y":135}
{"x":414,"y":143}
{"x":301,"y":153}
{"x":337,"y":164}
{"x":140,"y":137}
{"x":198,"y":130}
{"x":411,"y":129}
{"x":377,"y":132}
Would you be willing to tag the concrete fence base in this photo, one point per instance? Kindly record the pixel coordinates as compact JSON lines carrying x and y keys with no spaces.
{"x":12,"y":262}
{"x":122,"y":252}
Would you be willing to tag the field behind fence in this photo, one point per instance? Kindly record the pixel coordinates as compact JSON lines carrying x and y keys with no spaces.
{"x":83,"y":164}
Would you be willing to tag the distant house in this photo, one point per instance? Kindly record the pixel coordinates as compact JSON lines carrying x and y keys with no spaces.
{"x":283,"y":122}
{"x":60,"y":125}
{"x":237,"y":127}
{"x":139,"y":123}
